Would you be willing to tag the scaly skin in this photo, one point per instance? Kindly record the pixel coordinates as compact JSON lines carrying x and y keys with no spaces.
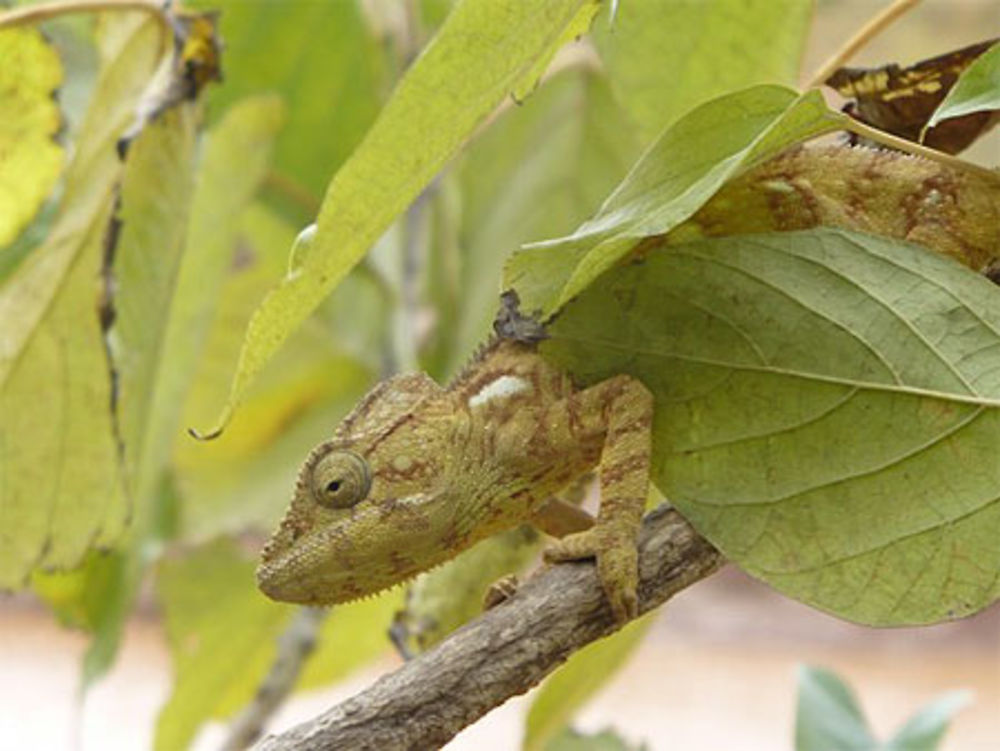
{"x":418,"y":473}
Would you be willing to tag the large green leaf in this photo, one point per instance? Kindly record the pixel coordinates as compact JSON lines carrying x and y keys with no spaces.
{"x":576,"y":681}
{"x":827,"y":411}
{"x":663,"y":58}
{"x":321,"y":60}
{"x":673,"y":179}
{"x":485,"y":51}
{"x":223,"y":635}
{"x":977,"y":89}
{"x":30,"y":159}
{"x":60,"y":491}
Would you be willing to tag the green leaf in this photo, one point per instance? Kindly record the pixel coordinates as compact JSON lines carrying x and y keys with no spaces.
{"x":676,"y":176}
{"x":575,"y":682}
{"x":925,"y":730}
{"x":664,"y":58}
{"x":538,"y":171}
{"x":977,"y":89}
{"x":30,"y":159}
{"x":321,"y":60}
{"x":827,"y":411}
{"x":222,"y":636}
{"x":828,"y":717}
{"x":441,"y":600}
{"x":243,"y":478}
{"x":352,"y":636}
{"x":60,"y":493}
{"x":485,"y":51}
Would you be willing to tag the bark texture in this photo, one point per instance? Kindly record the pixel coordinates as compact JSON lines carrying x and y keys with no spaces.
{"x":504,"y":652}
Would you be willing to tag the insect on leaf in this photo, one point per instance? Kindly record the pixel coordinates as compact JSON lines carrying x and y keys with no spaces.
{"x":902,"y":101}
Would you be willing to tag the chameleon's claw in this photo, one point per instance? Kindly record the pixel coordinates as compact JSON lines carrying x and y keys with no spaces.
{"x":500,"y":591}
{"x":617,"y":566}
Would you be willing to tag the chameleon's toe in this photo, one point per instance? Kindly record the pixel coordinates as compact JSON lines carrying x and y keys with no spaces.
{"x":617,"y":566}
{"x":500,"y":591}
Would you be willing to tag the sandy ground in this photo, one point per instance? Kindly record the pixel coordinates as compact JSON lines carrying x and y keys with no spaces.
{"x":717,"y":671}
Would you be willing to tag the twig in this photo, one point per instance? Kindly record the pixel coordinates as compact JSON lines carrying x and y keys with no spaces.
{"x":862,"y":36}
{"x":504,"y":652}
{"x":294,"y":646}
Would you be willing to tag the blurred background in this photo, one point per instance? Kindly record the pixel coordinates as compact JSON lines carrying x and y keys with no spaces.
{"x":717,"y":669}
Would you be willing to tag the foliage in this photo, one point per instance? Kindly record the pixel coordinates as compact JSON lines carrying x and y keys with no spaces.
{"x":825,"y":400}
{"x":828,"y":718}
{"x":977,"y":89}
{"x":31,"y":159}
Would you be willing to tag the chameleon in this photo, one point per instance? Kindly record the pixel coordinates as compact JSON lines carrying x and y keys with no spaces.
{"x":418,"y":472}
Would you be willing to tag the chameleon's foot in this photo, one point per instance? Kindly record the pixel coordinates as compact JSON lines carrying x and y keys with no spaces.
{"x":500,"y":591}
{"x":617,"y":565}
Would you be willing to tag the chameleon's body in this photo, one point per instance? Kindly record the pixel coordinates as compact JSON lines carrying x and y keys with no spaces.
{"x":418,"y":473}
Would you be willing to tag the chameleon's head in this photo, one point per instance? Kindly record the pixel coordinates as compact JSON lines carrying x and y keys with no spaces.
{"x":356,"y":525}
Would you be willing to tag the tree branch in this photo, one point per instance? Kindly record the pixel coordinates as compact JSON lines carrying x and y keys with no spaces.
{"x":504,"y":652}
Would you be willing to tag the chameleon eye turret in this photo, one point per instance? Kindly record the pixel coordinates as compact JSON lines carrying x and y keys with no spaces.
{"x":340,"y":479}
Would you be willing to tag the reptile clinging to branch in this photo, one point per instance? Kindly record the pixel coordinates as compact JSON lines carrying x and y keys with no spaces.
{"x":417,"y":473}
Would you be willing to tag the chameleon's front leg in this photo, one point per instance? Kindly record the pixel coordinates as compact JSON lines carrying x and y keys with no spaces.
{"x":623,"y":407}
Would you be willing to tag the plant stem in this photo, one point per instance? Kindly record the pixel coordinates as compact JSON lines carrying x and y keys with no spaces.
{"x":876,"y":24}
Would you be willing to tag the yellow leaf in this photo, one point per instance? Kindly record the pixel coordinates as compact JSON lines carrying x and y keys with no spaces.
{"x":30,"y":159}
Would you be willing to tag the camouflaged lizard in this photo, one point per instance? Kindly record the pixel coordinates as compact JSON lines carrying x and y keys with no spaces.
{"x":417,"y":473}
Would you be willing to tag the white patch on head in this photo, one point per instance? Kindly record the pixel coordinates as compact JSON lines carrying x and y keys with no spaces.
{"x":501,"y":388}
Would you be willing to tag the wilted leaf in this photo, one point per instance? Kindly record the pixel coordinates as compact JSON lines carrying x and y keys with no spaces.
{"x":827,"y":411}
{"x":828,"y":717}
{"x":664,"y":58}
{"x":30,"y":159}
{"x":675,"y":177}
{"x":576,"y":681}
{"x":925,"y":730}
{"x":416,"y":132}
{"x":977,"y":89}
{"x":60,"y":492}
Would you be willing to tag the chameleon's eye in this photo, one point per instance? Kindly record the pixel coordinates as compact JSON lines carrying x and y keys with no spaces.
{"x":341,"y":479}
